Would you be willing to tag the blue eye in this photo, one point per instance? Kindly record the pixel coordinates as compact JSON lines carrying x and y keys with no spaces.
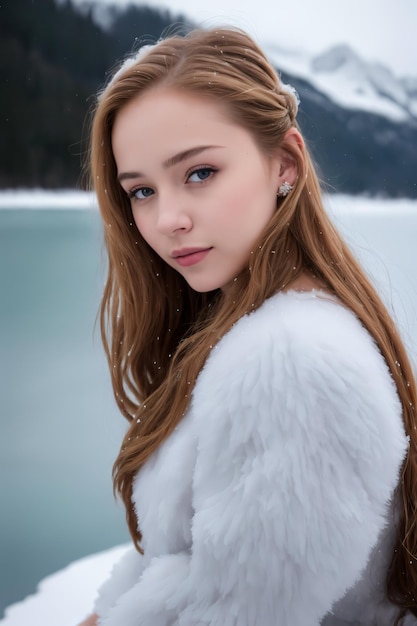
{"x":141,"y":193}
{"x":201,"y":174}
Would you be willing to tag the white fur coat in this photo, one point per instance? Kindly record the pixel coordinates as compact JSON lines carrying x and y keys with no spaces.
{"x":272,"y":499}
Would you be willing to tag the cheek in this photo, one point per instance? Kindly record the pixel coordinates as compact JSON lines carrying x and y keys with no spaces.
{"x":143,"y":225}
{"x":138,"y":223}
{"x":235,"y":200}
{"x":251,"y":201}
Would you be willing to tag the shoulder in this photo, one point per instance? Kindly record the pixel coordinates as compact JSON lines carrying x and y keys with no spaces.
{"x":302,"y":363}
{"x":308,"y":331}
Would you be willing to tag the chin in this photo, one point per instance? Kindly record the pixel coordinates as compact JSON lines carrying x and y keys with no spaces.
{"x":204,"y":286}
{"x":203,"y":289}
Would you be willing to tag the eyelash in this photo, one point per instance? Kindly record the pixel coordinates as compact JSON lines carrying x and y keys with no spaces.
{"x":201,"y":168}
{"x":132,"y":194}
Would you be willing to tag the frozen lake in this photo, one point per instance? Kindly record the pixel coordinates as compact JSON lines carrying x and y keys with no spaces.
{"x":60,"y":430}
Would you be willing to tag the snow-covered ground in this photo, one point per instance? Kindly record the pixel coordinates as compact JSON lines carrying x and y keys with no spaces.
{"x":40,"y":199}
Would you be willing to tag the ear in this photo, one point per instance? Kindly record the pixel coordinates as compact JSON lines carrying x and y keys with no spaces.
{"x":287,"y":170}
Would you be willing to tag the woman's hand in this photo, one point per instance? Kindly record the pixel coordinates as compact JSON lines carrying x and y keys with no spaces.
{"x":90,"y":621}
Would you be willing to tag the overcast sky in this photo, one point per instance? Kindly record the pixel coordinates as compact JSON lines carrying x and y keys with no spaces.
{"x":379,"y":30}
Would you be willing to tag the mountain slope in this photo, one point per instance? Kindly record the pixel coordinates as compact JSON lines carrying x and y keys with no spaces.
{"x":352,"y":82}
{"x":359,"y":119}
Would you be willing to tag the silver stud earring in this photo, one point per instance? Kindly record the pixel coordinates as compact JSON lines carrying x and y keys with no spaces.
{"x":284,"y":189}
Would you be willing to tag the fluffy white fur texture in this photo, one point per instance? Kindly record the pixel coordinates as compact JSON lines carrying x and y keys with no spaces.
{"x":273,"y":497}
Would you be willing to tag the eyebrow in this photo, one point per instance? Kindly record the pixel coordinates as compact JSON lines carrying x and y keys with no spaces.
{"x":174,"y":160}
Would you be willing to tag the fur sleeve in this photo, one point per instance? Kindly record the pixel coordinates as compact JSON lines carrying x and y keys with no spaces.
{"x":300,"y":441}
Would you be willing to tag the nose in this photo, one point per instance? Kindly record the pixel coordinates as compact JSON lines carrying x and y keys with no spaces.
{"x":173,"y":216}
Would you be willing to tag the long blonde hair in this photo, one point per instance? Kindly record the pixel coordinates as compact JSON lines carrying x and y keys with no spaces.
{"x":158,"y":332}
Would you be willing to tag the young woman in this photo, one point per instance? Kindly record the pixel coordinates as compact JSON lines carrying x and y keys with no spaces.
{"x":269,"y":471}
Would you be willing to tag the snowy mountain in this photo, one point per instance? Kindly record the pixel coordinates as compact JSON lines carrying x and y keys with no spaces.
{"x":360,"y":120}
{"x":352,"y":82}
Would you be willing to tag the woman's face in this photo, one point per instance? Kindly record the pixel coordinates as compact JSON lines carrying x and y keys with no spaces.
{"x":201,"y":190}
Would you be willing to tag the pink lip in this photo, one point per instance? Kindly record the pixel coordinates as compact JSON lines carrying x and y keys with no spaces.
{"x":190,"y":256}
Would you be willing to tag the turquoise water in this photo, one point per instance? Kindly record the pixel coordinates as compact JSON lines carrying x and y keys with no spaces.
{"x":59,"y":428}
